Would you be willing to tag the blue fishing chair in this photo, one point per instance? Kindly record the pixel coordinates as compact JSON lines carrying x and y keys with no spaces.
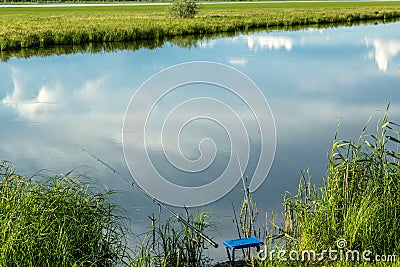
{"x":241,"y":243}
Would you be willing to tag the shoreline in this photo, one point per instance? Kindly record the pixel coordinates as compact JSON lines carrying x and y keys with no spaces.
{"x":42,"y":27}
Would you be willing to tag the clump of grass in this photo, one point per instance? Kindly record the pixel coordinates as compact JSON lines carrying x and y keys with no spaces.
{"x":57,"y":221}
{"x":247,"y":218}
{"x":172,"y":243}
{"x":359,"y":200}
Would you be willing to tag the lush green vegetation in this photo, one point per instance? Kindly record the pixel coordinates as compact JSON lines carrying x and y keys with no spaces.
{"x":182,"y":9}
{"x":359,"y":202}
{"x":174,"y":244}
{"x":63,"y":221}
{"x":57,"y":221}
{"x":46,"y":27}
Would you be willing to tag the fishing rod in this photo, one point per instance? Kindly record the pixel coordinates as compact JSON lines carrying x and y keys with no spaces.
{"x":245,"y":189}
{"x":158,"y":202}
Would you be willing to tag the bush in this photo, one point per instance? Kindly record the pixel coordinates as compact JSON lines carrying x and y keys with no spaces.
{"x":182,"y":9}
{"x":57,"y":222}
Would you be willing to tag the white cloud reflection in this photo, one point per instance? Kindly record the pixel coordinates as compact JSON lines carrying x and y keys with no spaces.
{"x":261,"y":42}
{"x":58,"y":107}
{"x":238,"y":61}
{"x":206,"y":43}
{"x":28,"y":106}
{"x":384,"y":51}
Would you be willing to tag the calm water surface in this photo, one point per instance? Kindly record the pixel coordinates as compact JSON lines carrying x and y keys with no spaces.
{"x":312,"y":79}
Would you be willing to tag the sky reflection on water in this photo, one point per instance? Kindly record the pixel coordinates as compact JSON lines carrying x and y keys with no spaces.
{"x":312,"y":79}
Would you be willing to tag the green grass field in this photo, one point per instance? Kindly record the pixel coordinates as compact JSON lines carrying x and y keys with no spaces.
{"x":46,"y":27}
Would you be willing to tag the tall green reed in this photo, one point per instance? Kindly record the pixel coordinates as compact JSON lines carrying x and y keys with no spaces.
{"x":172,"y":243}
{"x":57,"y":221}
{"x":359,"y":201}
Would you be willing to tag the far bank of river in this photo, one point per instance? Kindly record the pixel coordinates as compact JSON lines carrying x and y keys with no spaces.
{"x":41,"y":27}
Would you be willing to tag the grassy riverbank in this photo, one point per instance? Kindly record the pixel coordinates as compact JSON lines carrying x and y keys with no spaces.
{"x":355,"y":213}
{"x":57,"y":221}
{"x":46,"y":27}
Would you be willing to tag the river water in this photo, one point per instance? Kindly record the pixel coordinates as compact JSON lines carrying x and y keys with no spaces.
{"x":312,"y":79}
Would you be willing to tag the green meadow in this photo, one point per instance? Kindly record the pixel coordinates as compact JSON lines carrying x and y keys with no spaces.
{"x":40,"y":27}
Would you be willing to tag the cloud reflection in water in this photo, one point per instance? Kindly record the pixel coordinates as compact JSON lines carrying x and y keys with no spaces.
{"x":384,"y":51}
